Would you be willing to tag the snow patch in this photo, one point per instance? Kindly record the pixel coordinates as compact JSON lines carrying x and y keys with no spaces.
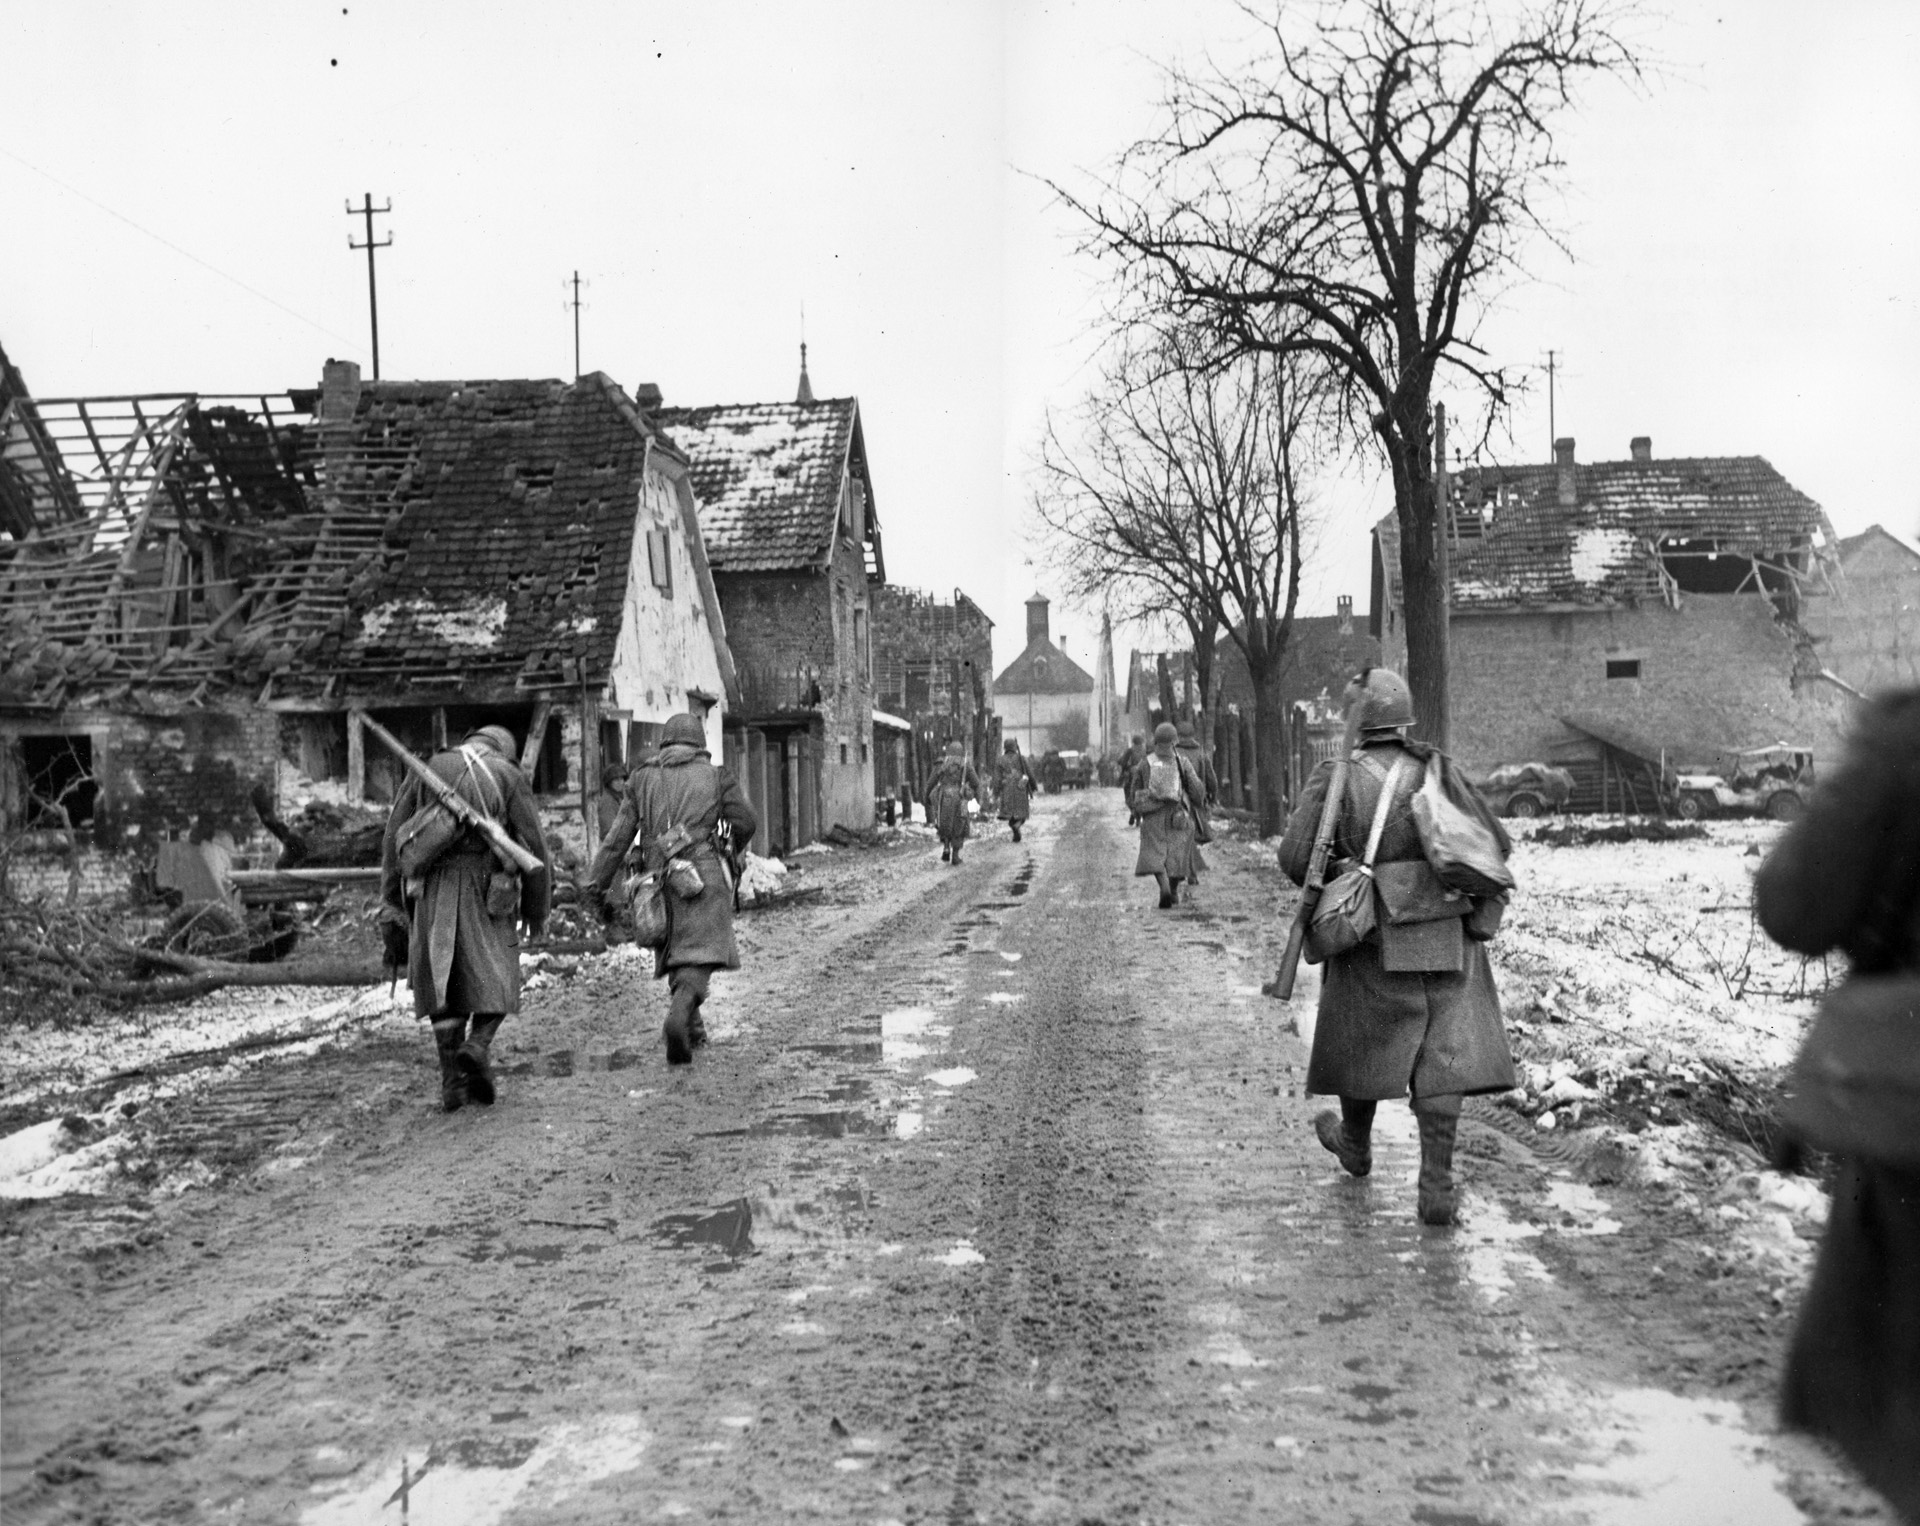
{"x":1598,"y":551}
{"x":477,"y":623}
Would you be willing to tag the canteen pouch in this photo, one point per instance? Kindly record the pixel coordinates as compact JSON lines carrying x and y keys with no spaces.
{"x":503,"y":894}
{"x":683,"y":879}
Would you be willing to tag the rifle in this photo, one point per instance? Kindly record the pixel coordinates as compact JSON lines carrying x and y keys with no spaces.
{"x":461,"y":809}
{"x":1316,"y":882}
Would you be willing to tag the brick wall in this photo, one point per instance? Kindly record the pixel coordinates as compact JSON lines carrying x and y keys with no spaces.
{"x":1715,"y":673}
{"x":926,"y":652}
{"x":1873,"y":628}
{"x":160,"y":773}
{"x":793,"y":642}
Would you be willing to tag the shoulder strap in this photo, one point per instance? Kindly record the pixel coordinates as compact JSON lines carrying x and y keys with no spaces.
{"x":1380,"y":811}
{"x":494,"y":801}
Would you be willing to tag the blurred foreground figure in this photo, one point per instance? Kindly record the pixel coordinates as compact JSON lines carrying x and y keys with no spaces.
{"x":1411,"y":1009}
{"x":1846,"y":876}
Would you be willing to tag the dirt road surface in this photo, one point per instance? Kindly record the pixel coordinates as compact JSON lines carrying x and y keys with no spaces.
{"x":994,"y":1199}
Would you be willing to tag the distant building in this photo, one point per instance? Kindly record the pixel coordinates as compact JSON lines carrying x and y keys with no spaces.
{"x":1670,"y":602}
{"x":1875,"y":622}
{"x":791,"y":529}
{"x":933,"y":677}
{"x":1043,"y":697}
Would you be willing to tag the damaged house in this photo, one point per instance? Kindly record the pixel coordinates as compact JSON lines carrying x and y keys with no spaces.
{"x":787,"y":511}
{"x":1670,"y":605}
{"x":196,"y":593}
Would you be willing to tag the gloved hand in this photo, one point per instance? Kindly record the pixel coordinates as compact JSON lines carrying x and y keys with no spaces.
{"x":393,"y":942}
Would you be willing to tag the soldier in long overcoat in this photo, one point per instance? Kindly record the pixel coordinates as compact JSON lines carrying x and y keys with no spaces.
{"x":1188,"y":746}
{"x":1412,"y":1009}
{"x":1166,"y":823}
{"x":1846,"y":876}
{"x":679,"y":787}
{"x":952,"y":784}
{"x":1016,"y":786}
{"x":459,"y":923}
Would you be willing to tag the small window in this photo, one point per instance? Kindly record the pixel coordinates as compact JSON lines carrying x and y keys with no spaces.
{"x":863,"y":752}
{"x":843,"y":752}
{"x":660,"y":560}
{"x":1623,"y":667}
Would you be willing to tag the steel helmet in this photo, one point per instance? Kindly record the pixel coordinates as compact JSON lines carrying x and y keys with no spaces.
{"x":1386,"y":703}
{"x":686,"y":729}
{"x":1164,"y":733}
{"x":497,"y":737}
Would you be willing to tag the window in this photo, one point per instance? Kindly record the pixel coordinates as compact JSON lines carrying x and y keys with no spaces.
{"x":660,"y":560}
{"x":863,"y":752}
{"x":1623,"y":667}
{"x":843,"y":752}
{"x":59,"y":773}
{"x":862,"y":646}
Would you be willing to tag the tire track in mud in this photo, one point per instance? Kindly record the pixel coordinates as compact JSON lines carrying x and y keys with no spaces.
{"x":1056,"y":1333}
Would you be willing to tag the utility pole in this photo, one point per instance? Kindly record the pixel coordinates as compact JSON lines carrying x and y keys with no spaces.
{"x":368,"y":210}
{"x":576,"y":325}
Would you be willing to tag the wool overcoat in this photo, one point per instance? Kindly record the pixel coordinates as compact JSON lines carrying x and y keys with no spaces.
{"x":1846,"y":876}
{"x":680,"y":787}
{"x":1016,"y":787}
{"x":953,"y":784}
{"x":1166,"y":826}
{"x":462,"y":956}
{"x":1382,"y":1032}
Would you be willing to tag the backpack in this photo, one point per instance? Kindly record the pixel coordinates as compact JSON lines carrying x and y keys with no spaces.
{"x":432,"y":829}
{"x":1163,"y":778}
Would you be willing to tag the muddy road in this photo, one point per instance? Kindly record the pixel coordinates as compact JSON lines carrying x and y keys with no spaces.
{"x":994,"y":1199}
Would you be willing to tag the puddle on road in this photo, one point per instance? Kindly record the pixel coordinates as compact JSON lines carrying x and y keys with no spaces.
{"x":907,"y":1124}
{"x":477,"y":1482}
{"x":1486,"y":1239}
{"x":959,"y":1075}
{"x":902,"y":1029}
{"x":962,"y":1254}
{"x":724,"y":1234}
{"x":1004,"y":998}
{"x":1674,"y":1459}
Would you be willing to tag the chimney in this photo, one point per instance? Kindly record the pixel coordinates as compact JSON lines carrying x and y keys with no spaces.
{"x":1036,"y":619}
{"x":1569,"y":491}
{"x":1642,"y":447}
{"x":647,"y":397}
{"x":1344,"y":606}
{"x":339,"y":391}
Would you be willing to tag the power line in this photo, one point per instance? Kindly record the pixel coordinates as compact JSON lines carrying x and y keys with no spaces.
{"x":187,"y":254}
{"x":369,"y":211}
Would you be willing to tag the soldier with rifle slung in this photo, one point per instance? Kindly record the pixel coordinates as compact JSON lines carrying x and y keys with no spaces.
{"x":462,"y":866}
{"x":1411,"y":1008}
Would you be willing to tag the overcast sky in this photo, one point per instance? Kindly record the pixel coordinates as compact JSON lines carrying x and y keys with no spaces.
{"x":1746,"y":227}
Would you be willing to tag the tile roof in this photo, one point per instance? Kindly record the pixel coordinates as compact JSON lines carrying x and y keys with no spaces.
{"x":1519,"y":547}
{"x":768,"y":477}
{"x":510,"y":512}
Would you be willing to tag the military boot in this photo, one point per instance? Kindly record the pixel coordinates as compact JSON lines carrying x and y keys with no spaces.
{"x":1437,"y":1131}
{"x":475,"y":1061}
{"x":447,"y":1036}
{"x":1348,"y":1134}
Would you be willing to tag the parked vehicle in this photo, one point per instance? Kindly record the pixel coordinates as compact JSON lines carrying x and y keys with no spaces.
{"x":1764,"y":781}
{"x":1076,"y":770}
{"x":1526,"y":790}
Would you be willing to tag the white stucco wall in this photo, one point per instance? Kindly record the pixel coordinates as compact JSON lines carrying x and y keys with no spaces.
{"x":665,"y":647}
{"x":1048,"y":711}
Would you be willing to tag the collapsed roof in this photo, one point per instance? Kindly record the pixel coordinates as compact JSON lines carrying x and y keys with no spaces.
{"x":375,"y":537}
{"x":1571,"y":535}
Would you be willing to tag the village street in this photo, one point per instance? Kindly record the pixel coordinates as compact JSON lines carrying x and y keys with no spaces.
{"x":994,"y":1198}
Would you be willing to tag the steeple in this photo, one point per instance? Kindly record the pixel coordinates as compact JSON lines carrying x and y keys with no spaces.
{"x":806,"y":387}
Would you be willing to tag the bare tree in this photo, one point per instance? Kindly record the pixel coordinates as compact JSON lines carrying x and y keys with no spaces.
{"x":1357,"y":198}
{"x":1181,"y":493}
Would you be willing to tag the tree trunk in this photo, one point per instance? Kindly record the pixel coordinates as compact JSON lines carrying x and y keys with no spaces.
{"x":1423,"y":594}
{"x":1269,"y":749}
